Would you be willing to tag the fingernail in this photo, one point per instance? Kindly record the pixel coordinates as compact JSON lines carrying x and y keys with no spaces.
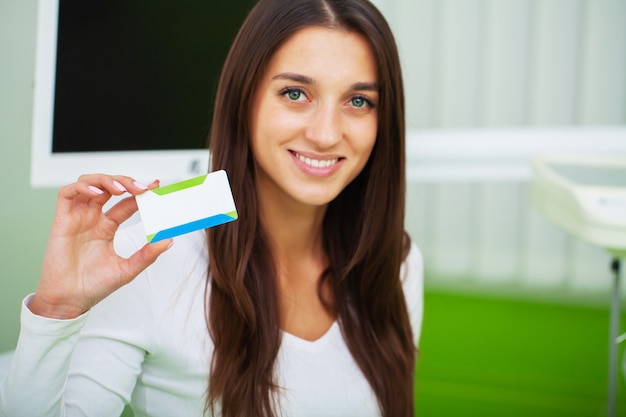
{"x":140,"y":185}
{"x":170,"y":245}
{"x":119,"y":186}
{"x":96,"y":190}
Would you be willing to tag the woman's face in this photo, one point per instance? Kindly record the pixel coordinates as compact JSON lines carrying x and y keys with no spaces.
{"x":314,"y":116}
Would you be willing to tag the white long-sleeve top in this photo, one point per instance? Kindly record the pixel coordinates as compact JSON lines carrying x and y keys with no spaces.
{"x":147,"y":345}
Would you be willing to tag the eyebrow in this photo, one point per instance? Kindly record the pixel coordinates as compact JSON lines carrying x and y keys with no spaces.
{"x":293,"y":77}
{"x":299,"y":78}
{"x":366,"y":87}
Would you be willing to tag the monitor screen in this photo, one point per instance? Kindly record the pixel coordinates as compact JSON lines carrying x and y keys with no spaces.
{"x":127,"y":87}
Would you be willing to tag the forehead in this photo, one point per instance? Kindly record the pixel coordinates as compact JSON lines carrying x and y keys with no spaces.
{"x":324,"y":51}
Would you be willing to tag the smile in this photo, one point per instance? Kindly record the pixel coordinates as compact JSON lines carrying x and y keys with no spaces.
{"x":316,"y":163}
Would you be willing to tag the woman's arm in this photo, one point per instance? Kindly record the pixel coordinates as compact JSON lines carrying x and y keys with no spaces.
{"x":38,"y":370}
{"x":86,"y":366}
{"x":80,"y":269}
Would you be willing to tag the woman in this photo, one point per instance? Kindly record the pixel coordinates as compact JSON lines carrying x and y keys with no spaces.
{"x":309,"y":304}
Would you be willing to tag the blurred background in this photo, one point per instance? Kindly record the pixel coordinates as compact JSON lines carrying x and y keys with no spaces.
{"x":516,"y":310}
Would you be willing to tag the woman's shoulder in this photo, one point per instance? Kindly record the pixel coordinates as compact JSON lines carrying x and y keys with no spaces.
{"x":413,"y":265}
{"x":167,"y":289}
{"x":159,"y":312}
{"x":412,"y":276}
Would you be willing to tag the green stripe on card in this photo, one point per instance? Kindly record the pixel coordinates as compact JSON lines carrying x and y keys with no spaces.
{"x":192,"y":182}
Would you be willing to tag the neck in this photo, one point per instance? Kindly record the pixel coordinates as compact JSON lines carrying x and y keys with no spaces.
{"x":294,"y":229}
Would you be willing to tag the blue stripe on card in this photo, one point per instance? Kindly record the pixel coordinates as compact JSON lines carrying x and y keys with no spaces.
{"x":192,"y":227}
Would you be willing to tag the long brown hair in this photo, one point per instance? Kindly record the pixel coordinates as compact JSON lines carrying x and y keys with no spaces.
{"x":363,"y":229}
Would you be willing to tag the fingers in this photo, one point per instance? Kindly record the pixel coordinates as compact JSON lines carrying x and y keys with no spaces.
{"x":144,"y":257}
{"x":154,"y":184}
{"x":123,"y":210}
{"x":112,"y":184}
{"x":98,"y":184}
{"x":99,"y":188}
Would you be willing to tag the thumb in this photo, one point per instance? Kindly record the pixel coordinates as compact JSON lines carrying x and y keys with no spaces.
{"x":145,"y":256}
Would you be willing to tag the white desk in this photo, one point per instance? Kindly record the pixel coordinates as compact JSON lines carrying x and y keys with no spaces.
{"x":586,"y":196}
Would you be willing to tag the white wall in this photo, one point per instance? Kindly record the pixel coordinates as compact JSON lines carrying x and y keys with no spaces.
{"x":511,"y":62}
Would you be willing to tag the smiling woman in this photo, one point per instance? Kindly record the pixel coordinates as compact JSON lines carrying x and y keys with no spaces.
{"x":310,"y":304}
{"x":332,"y":238}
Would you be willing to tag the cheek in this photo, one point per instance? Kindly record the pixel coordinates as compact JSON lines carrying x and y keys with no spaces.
{"x":364,"y":136}
{"x":272,"y":125}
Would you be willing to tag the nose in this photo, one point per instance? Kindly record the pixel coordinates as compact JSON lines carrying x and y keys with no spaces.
{"x":324,"y":127}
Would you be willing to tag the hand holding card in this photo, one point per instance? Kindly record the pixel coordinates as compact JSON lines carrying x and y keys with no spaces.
{"x":187,"y":206}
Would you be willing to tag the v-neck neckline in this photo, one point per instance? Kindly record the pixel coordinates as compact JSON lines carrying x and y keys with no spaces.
{"x":312,"y":345}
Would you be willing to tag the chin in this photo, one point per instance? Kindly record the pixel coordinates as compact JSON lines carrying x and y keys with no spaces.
{"x":317,"y":200}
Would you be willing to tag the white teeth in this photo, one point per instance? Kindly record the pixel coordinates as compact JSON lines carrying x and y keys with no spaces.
{"x":316,"y":163}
